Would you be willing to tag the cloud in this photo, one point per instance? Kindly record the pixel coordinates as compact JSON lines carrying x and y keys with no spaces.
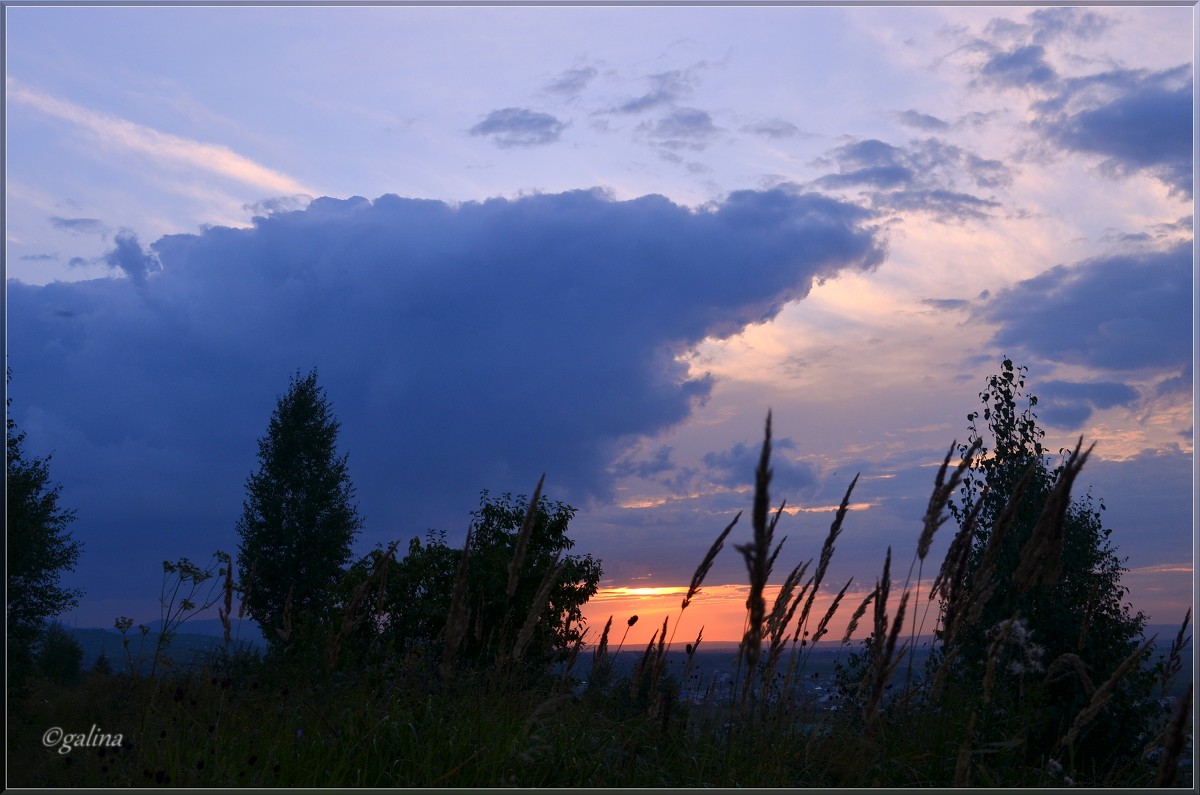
{"x":572,"y":82}
{"x":1068,"y":404}
{"x":682,"y":128}
{"x":277,"y":204}
{"x":1180,"y":385}
{"x":946,"y":304}
{"x":919,"y":177}
{"x":78,"y":225}
{"x":171,"y":149}
{"x":773,"y":128}
{"x":666,"y":89}
{"x":1135,"y":120}
{"x":735,"y":468}
{"x":462,"y":347}
{"x":1121,"y":312}
{"x":1049,"y":24}
{"x":519,"y":127}
{"x":921,"y":121}
{"x":942,"y":204}
{"x":129,"y":258}
{"x":1024,"y":67}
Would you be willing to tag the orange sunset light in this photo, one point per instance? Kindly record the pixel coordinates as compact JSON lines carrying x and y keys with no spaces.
{"x":721,"y":611}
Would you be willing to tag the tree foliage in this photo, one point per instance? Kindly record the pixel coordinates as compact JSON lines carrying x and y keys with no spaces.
{"x":60,"y":655}
{"x":408,"y":606}
{"x":299,"y":518}
{"x":1076,"y":608}
{"x":40,"y":550}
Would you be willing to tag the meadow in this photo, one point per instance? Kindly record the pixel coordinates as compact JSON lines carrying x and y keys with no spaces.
{"x":791,"y":706}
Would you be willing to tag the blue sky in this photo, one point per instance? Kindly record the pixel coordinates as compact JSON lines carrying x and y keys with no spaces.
{"x":598,"y":243}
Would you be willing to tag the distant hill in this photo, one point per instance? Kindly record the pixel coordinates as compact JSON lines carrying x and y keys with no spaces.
{"x":201,"y":637}
{"x":189,"y":646}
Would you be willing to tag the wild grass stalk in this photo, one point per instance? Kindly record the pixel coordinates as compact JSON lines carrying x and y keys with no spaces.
{"x":858,"y":613}
{"x":702,"y":571}
{"x":501,"y":633}
{"x":984,"y":583}
{"x":934,"y":518}
{"x":632,"y":620}
{"x":643,"y":667}
{"x":1041,"y":557}
{"x":1103,"y":693}
{"x":885,"y":665}
{"x":827,"y":549}
{"x":780,"y":615}
{"x":537,"y":607}
{"x":226,"y":610}
{"x":601,"y":664}
{"x":455,"y":629}
{"x":1175,"y":736}
{"x":758,"y":559}
{"x":691,"y":650}
{"x":1174,"y":662}
{"x":352,"y":615}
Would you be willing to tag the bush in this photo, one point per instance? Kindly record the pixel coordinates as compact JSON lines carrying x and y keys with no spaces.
{"x":59,"y":655}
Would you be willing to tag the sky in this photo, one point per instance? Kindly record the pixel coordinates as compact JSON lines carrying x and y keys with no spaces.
{"x":600,"y":243}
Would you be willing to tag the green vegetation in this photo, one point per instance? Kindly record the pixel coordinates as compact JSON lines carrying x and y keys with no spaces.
{"x":460,"y":668}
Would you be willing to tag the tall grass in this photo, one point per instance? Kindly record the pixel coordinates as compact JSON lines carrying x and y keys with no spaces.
{"x":423,"y":718}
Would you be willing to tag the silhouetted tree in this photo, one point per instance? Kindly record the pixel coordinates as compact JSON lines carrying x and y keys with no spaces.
{"x":39,"y":550}
{"x":60,"y":655}
{"x":409,"y":606}
{"x":298,"y":519}
{"x":1055,"y":573}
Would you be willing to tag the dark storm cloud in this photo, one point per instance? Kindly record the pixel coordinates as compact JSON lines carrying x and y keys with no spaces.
{"x":918,"y":177}
{"x":78,"y":225}
{"x":572,"y":82}
{"x":519,"y":127}
{"x":462,"y":347}
{"x":1121,"y":312}
{"x":1068,"y":404}
{"x":129,"y":257}
{"x":1135,"y":120}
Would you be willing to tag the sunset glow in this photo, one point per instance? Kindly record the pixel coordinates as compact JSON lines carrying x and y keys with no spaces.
{"x":600,"y":243}
{"x":720,"y":610}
